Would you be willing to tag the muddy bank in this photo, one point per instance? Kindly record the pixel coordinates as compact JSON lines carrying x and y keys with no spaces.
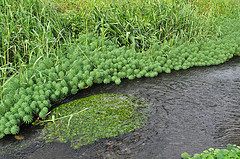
{"x":192,"y":110}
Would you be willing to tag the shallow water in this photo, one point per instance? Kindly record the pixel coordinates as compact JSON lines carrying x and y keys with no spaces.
{"x":192,"y":110}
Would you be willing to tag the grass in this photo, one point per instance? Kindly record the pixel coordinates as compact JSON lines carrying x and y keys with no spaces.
{"x":218,"y":7}
{"x":140,"y":23}
{"x":143,"y":22}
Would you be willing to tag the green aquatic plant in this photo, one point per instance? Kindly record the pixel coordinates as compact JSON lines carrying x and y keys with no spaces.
{"x":233,"y":152}
{"x":98,"y":116}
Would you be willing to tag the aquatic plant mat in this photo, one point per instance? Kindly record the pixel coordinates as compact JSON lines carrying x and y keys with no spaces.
{"x":88,"y":119}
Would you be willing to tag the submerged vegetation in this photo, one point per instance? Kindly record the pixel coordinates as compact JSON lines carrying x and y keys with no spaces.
{"x":98,"y":116}
{"x":52,"y":49}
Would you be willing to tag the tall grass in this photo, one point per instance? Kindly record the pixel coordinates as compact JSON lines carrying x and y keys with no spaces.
{"x":143,"y":22}
{"x":28,"y":29}
{"x":217,"y":8}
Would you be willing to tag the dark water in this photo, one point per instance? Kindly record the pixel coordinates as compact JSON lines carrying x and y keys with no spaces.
{"x":192,"y":110}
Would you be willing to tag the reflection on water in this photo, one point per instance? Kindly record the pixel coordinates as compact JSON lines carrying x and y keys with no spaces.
{"x":192,"y":110}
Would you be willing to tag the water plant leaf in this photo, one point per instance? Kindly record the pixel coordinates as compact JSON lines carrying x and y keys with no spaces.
{"x":185,"y":155}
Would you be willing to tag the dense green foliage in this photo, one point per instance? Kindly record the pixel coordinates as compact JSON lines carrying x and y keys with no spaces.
{"x":100,"y":116}
{"x":31,"y":28}
{"x":95,"y":60}
{"x":28,"y":28}
{"x":233,"y":152}
{"x":138,"y":22}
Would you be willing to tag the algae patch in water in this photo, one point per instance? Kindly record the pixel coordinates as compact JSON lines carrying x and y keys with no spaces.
{"x":88,"y":119}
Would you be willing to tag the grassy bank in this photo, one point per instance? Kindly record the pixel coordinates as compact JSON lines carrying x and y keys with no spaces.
{"x":33,"y":29}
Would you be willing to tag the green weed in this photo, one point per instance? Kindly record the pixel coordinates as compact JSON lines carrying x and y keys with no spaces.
{"x":105,"y":115}
{"x":233,"y":152}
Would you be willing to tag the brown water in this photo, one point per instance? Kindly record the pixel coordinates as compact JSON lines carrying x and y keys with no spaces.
{"x":192,"y":110}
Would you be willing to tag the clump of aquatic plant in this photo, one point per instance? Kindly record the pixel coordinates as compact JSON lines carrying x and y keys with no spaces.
{"x":88,"y":119}
{"x":233,"y":152}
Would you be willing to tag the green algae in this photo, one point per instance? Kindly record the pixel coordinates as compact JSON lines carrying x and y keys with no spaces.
{"x":88,"y":119}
